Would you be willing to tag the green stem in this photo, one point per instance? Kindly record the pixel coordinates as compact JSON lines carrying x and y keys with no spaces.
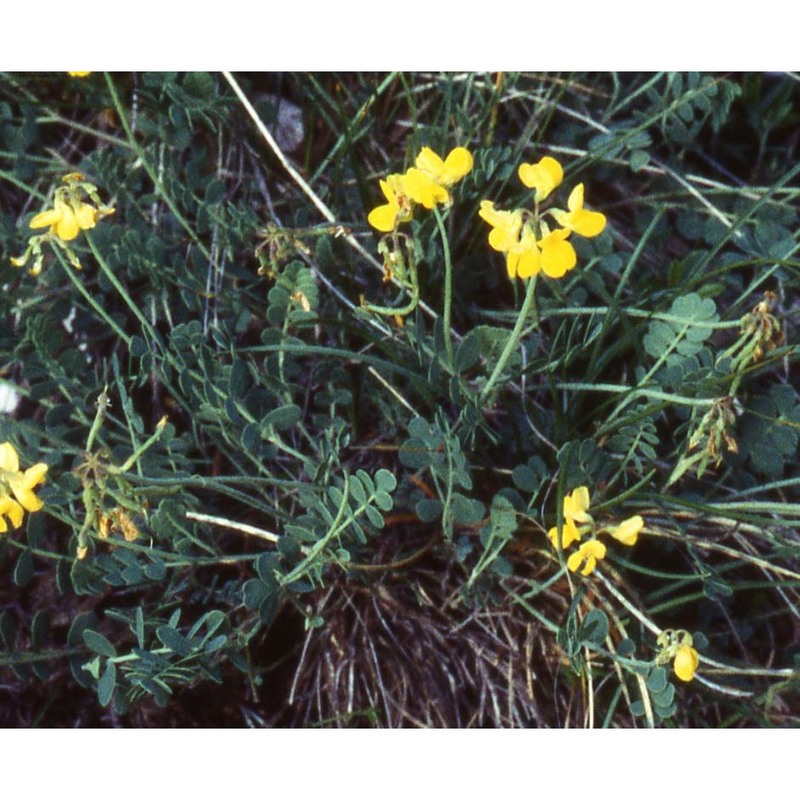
{"x":513,"y":340}
{"x":121,"y":290}
{"x":101,"y":312}
{"x":448,"y":291}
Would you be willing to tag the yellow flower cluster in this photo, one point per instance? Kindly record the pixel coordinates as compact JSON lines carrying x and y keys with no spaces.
{"x":425,"y":184}
{"x":16,"y":487}
{"x":578,"y":522}
{"x":529,"y":244}
{"x":70,"y":215}
{"x":676,"y":646}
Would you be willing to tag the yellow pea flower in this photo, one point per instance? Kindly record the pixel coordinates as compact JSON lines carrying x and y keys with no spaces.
{"x":544,"y":176}
{"x":397,"y":208}
{"x":575,"y":511}
{"x":627,"y":532}
{"x":569,"y":534}
{"x":524,"y":259}
{"x":20,"y":485}
{"x":78,"y":74}
{"x":585,"y":558}
{"x":686,"y":662}
{"x":558,"y":255}
{"x":576,"y":505}
{"x":425,"y":190}
{"x":67,"y":220}
{"x":428,"y":181}
{"x":578,"y":219}
{"x":457,"y":164}
{"x":506,"y":226}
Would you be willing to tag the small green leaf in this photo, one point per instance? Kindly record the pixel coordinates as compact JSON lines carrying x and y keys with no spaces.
{"x":139,"y":626}
{"x":40,"y":625}
{"x":98,"y":643}
{"x":594,"y":627}
{"x":466,"y":510}
{"x":366,"y":481}
{"x":415,"y":454}
{"x":357,"y":491}
{"x":374,"y":516}
{"x":385,"y":480}
{"x":106,"y":684}
{"x":282,"y":418}
{"x":383,"y":500}
{"x":254,"y":592}
{"x":174,"y":640}
{"x":663,"y":698}
{"x":428,"y":510}
{"x":78,"y":626}
{"x":626,"y":648}
{"x":23,"y":569}
{"x":657,"y":679}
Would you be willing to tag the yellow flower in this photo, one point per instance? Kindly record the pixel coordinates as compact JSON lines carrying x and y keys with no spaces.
{"x":11,"y":509}
{"x":576,"y":505}
{"x":558,"y":255}
{"x":457,"y":164}
{"x":525,"y":255}
{"x":686,"y":662}
{"x":524,"y":259}
{"x":578,"y":219}
{"x":78,"y":74}
{"x":506,"y":226}
{"x":428,"y":181}
{"x":627,"y":532}
{"x":543,"y":177}
{"x":66,"y":220}
{"x":20,"y":485}
{"x":585,"y":558}
{"x":397,"y":208}
{"x":575,"y":511}
{"x":569,"y":534}
{"x":425,"y":190}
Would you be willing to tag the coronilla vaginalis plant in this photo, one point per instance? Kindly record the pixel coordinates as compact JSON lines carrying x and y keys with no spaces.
{"x":390,"y":400}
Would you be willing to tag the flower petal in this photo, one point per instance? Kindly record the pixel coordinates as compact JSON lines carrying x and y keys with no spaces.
{"x":428,"y":161}
{"x":86,"y":216}
{"x":12,"y":510}
{"x":383,"y":218}
{"x":67,"y":227}
{"x":45,"y":219}
{"x":9,"y":460}
{"x":588,"y":554}
{"x":544,"y":176}
{"x":569,"y":534}
{"x":627,"y":532}
{"x":458,"y":163}
{"x":579,"y":220}
{"x":530,"y":263}
{"x":34,"y":475}
{"x":423,"y":189}
{"x":558,"y":255}
{"x":577,"y":504}
{"x":686,"y":662}
{"x":26,"y":498}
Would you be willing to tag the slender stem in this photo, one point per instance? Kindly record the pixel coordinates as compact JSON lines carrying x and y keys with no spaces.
{"x":101,"y":312}
{"x":448,"y":291}
{"x":121,"y":290}
{"x":513,"y":340}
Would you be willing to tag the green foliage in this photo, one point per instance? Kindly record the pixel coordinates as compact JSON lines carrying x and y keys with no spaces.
{"x":251,"y":414}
